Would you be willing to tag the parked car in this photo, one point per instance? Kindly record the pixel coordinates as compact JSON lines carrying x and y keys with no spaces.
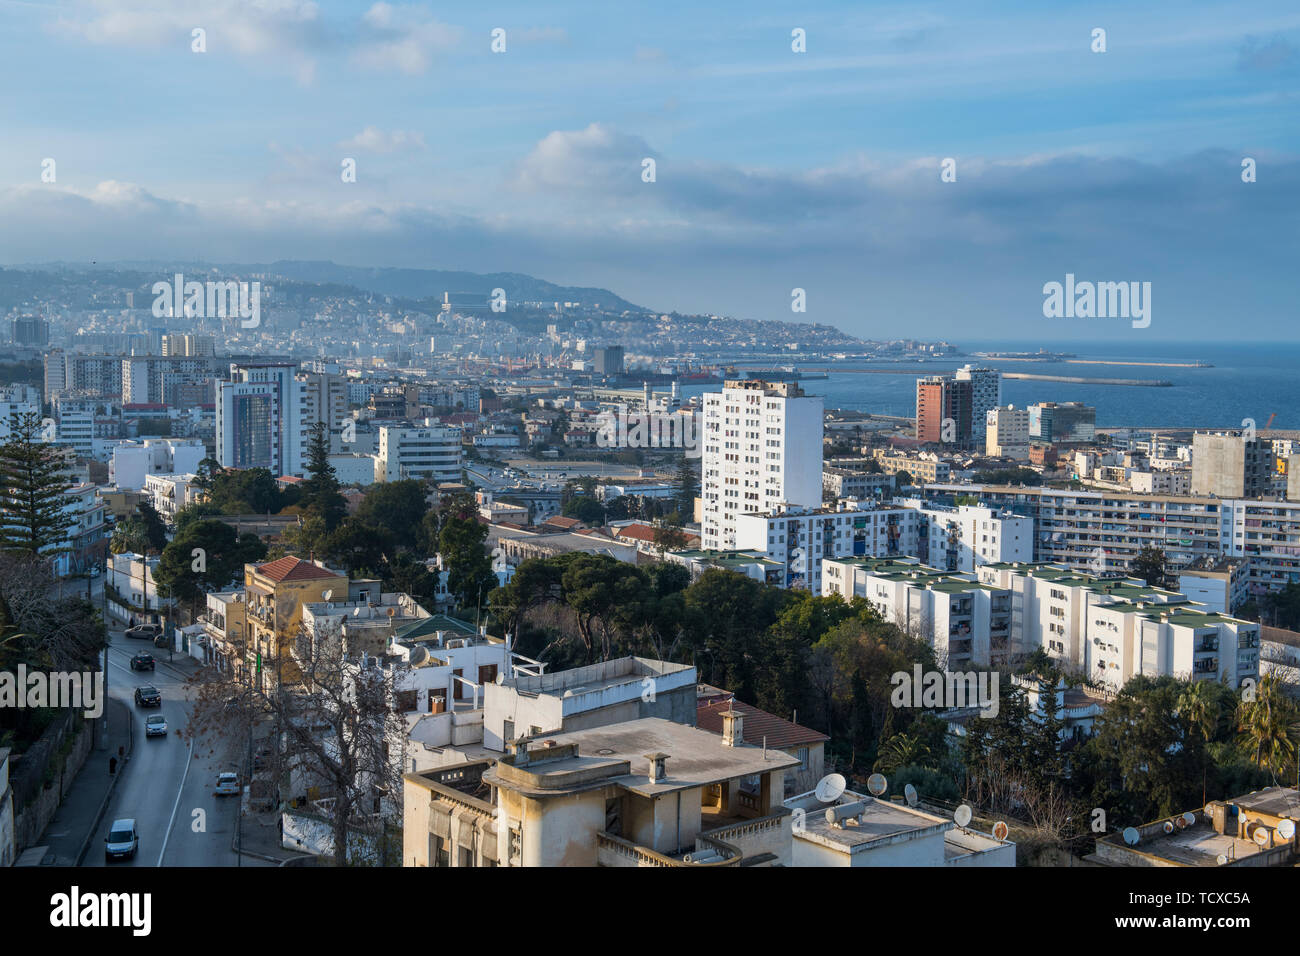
{"x":227,"y":785}
{"x":123,"y":840}
{"x":162,"y":641}
{"x":144,"y":632}
{"x":155,"y":725}
{"x":142,"y":662}
{"x":148,"y":696}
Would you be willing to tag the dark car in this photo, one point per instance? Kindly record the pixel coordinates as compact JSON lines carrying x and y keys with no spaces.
{"x":142,"y":662}
{"x":148,"y":697}
{"x":144,"y":632}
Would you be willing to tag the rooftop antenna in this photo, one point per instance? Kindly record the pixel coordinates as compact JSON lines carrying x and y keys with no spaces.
{"x":962,"y":816}
{"x":1131,"y":836}
{"x":1000,"y":831}
{"x":877,"y":784}
{"x":909,"y":793}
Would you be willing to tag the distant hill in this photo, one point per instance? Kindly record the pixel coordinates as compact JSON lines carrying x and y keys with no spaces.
{"x":399,"y":283}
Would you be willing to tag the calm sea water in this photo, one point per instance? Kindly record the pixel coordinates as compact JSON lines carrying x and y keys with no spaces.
{"x":1247,"y":381}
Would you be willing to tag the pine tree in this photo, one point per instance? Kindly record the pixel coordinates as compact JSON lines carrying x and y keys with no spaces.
{"x":320,"y":491}
{"x":32,"y":486}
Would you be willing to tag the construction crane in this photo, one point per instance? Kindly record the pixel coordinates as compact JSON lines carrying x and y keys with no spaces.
{"x":1269,"y":423}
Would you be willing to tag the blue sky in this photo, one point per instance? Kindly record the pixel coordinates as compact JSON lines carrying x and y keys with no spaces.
{"x":775,"y":169}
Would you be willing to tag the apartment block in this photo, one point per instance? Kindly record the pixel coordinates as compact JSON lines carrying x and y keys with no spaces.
{"x":800,"y":540}
{"x":838,"y":482}
{"x":964,"y":537}
{"x":1006,"y":433}
{"x":985,"y":395}
{"x":944,"y":410}
{"x":430,"y":452}
{"x":1230,"y":465}
{"x":762,"y":450}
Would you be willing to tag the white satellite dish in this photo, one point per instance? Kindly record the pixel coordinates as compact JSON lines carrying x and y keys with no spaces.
{"x":327,"y":595}
{"x":1189,"y":818}
{"x":1262,"y":835}
{"x":1131,"y":836}
{"x":909,"y":793}
{"x":831,"y":787}
{"x":962,"y":816}
{"x":1221,"y":859}
{"x":1286,"y":829}
{"x":877,"y":784}
{"x":1169,"y":826}
{"x":1000,"y":830}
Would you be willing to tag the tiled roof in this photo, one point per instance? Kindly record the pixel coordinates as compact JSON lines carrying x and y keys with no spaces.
{"x":780,"y":733}
{"x":290,"y":568}
{"x":558,"y":522}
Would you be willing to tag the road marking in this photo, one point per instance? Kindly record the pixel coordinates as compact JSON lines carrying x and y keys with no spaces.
{"x":176,"y":806}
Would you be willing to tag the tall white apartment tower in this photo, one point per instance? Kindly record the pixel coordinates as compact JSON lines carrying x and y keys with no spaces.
{"x":260,"y":418}
{"x":986,"y":395}
{"x":762,"y":450}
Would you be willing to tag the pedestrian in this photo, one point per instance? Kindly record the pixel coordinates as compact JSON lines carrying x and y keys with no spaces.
{"x":112,"y":766}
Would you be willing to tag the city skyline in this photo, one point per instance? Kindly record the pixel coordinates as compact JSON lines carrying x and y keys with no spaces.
{"x":775,"y":170}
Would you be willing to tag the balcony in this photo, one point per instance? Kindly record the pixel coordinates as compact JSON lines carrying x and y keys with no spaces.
{"x":615,"y":851}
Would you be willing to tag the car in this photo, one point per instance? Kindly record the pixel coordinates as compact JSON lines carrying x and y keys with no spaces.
{"x":142,"y":662}
{"x":123,"y":840}
{"x":148,"y":696}
{"x":144,"y":632}
{"x":227,"y":785}
{"x":161,"y":641}
{"x":155,"y":725}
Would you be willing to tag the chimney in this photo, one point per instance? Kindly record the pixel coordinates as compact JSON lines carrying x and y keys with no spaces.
{"x":658,"y":766}
{"x":733,"y":730}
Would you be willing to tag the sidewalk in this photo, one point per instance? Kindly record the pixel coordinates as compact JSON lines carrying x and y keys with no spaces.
{"x":76,"y":820}
{"x":262,"y":839}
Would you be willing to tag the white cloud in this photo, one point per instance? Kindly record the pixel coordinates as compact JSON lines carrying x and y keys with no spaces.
{"x":402,"y":38}
{"x":374,"y":140}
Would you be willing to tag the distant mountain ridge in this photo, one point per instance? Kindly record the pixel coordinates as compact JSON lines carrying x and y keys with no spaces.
{"x":401,"y":283}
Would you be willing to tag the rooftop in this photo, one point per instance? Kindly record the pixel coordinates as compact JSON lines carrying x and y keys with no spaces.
{"x":758,"y":726}
{"x":290,"y":568}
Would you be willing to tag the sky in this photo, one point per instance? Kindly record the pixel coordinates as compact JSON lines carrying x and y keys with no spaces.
{"x":774,"y":170}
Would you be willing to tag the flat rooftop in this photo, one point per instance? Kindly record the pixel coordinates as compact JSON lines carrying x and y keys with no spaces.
{"x":882,"y":822}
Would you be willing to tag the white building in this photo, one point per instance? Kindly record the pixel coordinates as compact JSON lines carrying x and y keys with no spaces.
{"x":76,"y":428}
{"x":169,"y":493}
{"x":1006,"y":433}
{"x":967,"y":536}
{"x":15,"y":400}
{"x":131,"y":576}
{"x":429,"y":451}
{"x":762,"y":450}
{"x":260,"y":418}
{"x":133,"y":461}
{"x":801,"y":539}
{"x":354,"y":469}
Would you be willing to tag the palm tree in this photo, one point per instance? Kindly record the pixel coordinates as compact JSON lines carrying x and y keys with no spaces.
{"x":900,"y":751}
{"x":1198,"y":707}
{"x":1266,"y":725}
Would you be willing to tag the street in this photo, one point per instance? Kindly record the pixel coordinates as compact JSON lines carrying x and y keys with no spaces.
{"x":164,"y":784}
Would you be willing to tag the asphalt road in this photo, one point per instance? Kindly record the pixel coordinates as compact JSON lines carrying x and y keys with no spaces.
{"x":166,"y":786}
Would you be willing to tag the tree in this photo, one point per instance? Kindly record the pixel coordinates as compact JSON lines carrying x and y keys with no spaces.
{"x":195,"y":511}
{"x":469,"y":567}
{"x":1149,"y":565}
{"x":1267,"y":726}
{"x":246,"y":491}
{"x":902,"y":479}
{"x":397,"y":508}
{"x":153,"y":526}
{"x":338,"y":724}
{"x":319,"y":492}
{"x":360,"y":547}
{"x":586,"y":509}
{"x":206,"y":555}
{"x":669,"y":537}
{"x":32,"y":488}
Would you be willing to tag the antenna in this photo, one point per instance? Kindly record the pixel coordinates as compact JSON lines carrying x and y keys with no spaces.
{"x":877,"y":784}
{"x":831,"y":787}
{"x":962,"y":816}
{"x":1000,"y":830}
{"x":1131,"y":836}
{"x":909,"y":793}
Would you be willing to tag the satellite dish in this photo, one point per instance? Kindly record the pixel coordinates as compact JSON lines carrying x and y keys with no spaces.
{"x":1000,"y":830}
{"x":831,"y":787}
{"x":1131,"y":836}
{"x":1169,"y":826}
{"x":1181,"y":823}
{"x":1189,"y":817}
{"x":356,"y":612}
{"x":909,"y":792}
{"x":1221,"y":859}
{"x":877,"y":784}
{"x":328,"y":594}
{"x":1286,"y":829}
{"x":962,"y":816}
{"x":1262,"y":836}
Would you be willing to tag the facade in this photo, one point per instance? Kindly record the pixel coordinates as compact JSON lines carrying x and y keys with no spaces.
{"x":940,"y":399}
{"x":964,"y":537}
{"x":985,"y":395}
{"x":133,"y":461}
{"x":1231,"y":466}
{"x":847,"y":483}
{"x":1062,"y":423}
{"x":1006,"y":433}
{"x":169,"y":493}
{"x":260,"y":418}
{"x":608,"y":360}
{"x":762,"y":449}
{"x":430,"y":451}
{"x":274,"y":595}
{"x":800,"y":540}
{"x":925,"y":468}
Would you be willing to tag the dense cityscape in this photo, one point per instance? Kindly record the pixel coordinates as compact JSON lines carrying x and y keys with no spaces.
{"x":648,"y":439}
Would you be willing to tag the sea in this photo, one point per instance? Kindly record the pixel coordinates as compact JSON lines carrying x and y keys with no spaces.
{"x":1246,"y":381}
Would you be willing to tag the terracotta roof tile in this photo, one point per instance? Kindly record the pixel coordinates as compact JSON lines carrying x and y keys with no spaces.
{"x":780,"y":733}
{"x":290,"y":568}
